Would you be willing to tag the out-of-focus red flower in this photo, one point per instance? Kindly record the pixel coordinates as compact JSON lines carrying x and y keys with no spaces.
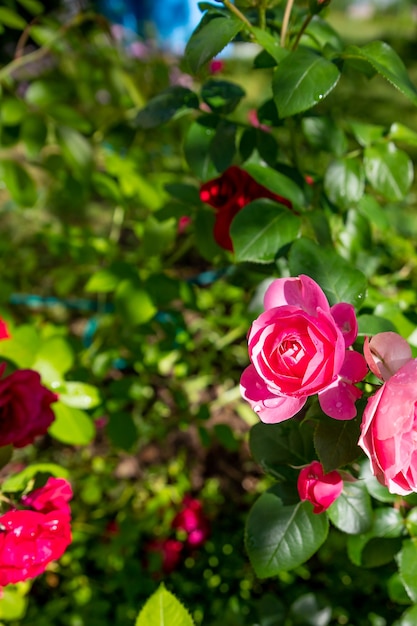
{"x":228,"y":194}
{"x":170,"y":551}
{"x":4,"y":330}
{"x":25,"y":408}
{"x":254,"y":121}
{"x":192,"y":520}
{"x":29,"y":540}
{"x":183,"y":223}
{"x":216,"y":66}
{"x":54,"y":496}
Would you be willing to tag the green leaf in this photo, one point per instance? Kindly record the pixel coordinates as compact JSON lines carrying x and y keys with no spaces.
{"x":407,"y":566}
{"x":210,"y":39}
{"x":133,"y":302}
{"x":403,"y":134}
{"x":11,"y":19}
{"x":19,"y":183}
{"x":205,"y":243}
{"x":122,"y":430}
{"x":366,"y":134}
{"x":223,"y":146}
{"x":344,"y":182}
{"x":33,"y":132}
{"x":76,"y":149}
{"x":352,"y":511}
{"x":221,"y":95}
{"x":280,"y":538}
{"x":78,"y":395}
{"x":397,"y":592}
{"x":53,"y":359}
{"x":323,"y":133}
{"x":13,"y":604}
{"x":164,"y":106}
{"x":261,"y":228}
{"x":387,"y":63}
{"x":336,"y":442}
{"x":277,"y":183}
{"x":18,"y":482}
{"x":339,"y":281}
{"x":372,"y":210}
{"x":158,"y":236}
{"x":374,"y":487}
{"x":269,"y":43}
{"x":389,"y":170}
{"x":377,"y":546}
{"x":369,"y":325}
{"x":163,"y":609}
{"x":33,"y":6}
{"x":71,"y":426}
{"x":302,"y":80}
{"x":21,"y":348}
{"x":197,"y":150}
{"x":287,"y":443}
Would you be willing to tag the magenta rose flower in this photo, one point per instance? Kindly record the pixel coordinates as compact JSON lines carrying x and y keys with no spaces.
{"x":299,"y":347}
{"x":29,"y":541}
{"x":53,"y":496}
{"x":25,"y":408}
{"x":389,"y":431}
{"x":319,"y":488}
{"x":192,"y":520}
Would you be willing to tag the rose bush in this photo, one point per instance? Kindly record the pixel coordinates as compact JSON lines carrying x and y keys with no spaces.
{"x":29,"y":540}
{"x":25,"y":408}
{"x":299,"y":347}
{"x":319,"y":488}
{"x":228,"y":194}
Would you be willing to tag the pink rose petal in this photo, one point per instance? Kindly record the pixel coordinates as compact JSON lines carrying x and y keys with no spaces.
{"x":386,"y":353}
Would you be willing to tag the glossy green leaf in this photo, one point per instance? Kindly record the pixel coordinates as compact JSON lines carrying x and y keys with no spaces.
{"x":409,"y":618}
{"x":339,"y":281}
{"x":19,"y":481}
{"x":403,"y":134}
{"x":261,"y":228}
{"x":369,"y":325}
{"x":280,"y":538}
{"x":76,"y":149}
{"x":352,"y":511}
{"x":163,"y":609}
{"x":71,"y":426}
{"x":53,"y":359}
{"x":366,"y":134}
{"x":78,"y":395}
{"x":302,"y":80}
{"x":287,"y":443}
{"x":223,"y":146}
{"x":387,"y":63}
{"x":276,"y":182}
{"x":336,"y":442}
{"x":222,"y":95}
{"x":269,"y":43}
{"x":164,"y":106}
{"x":389,"y":170}
{"x":33,"y":6}
{"x":13,"y":604}
{"x":21,"y":348}
{"x":374,"y":487}
{"x":407,"y":566}
{"x":19,"y":183}
{"x":344,"y":182}
{"x":323,"y":133}
{"x":210,"y":39}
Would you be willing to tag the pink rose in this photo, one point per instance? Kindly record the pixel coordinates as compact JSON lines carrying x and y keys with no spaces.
{"x":29,"y":541}
{"x":389,"y":431}
{"x":25,"y":408}
{"x":191,"y":519}
{"x":319,"y":488}
{"x":54,"y":496}
{"x":299,"y":347}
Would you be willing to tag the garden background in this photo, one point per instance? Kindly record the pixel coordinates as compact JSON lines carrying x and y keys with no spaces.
{"x":115,"y":290}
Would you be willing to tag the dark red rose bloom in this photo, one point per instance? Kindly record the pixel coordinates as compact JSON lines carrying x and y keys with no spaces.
{"x":170,"y":552}
{"x":25,"y":408}
{"x":192,"y":520}
{"x":228,"y":194}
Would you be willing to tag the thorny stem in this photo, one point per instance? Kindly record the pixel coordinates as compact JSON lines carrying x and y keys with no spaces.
{"x":302,"y":30}
{"x":286,"y":21}
{"x":236,"y":11}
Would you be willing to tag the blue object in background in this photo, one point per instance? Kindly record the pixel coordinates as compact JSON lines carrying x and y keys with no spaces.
{"x":173,"y":20}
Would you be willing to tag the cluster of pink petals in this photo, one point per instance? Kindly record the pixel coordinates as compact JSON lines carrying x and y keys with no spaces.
{"x":30,"y":539}
{"x":301,"y":346}
{"x":389,"y":423}
{"x":319,"y":488}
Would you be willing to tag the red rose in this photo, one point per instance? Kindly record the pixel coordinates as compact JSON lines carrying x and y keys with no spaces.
{"x":25,"y":408}
{"x":53,"y":496}
{"x":170,"y":552}
{"x":228,"y":194}
{"x":29,"y":541}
